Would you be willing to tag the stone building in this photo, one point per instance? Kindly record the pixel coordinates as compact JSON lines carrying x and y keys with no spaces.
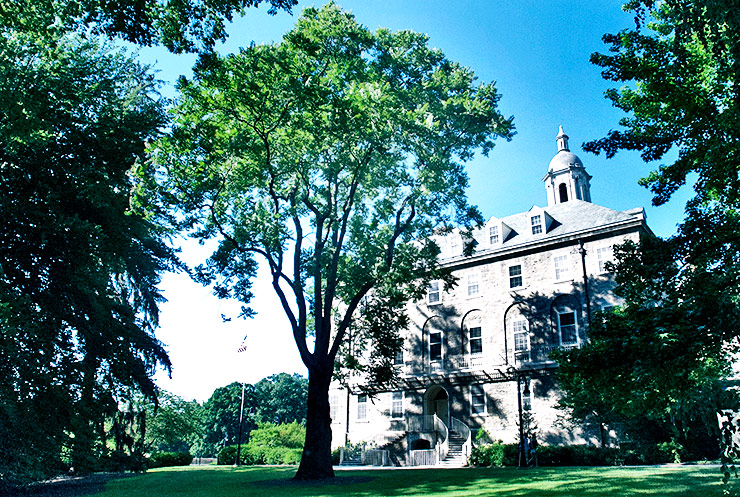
{"x":478,"y":355}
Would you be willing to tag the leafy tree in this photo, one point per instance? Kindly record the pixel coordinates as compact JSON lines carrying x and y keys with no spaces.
{"x":221,"y":416}
{"x":179,"y":25}
{"x":78,"y":266}
{"x":281,"y":398}
{"x":332,"y":155}
{"x":175,"y":425}
{"x":672,"y":343}
{"x":654,"y":366}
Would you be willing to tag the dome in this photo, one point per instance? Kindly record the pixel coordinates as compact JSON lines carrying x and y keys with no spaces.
{"x":563,"y":160}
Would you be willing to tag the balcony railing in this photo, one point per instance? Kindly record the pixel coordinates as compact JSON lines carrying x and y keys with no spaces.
{"x":539,"y":353}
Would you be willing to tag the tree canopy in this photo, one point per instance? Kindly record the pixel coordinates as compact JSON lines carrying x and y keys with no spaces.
{"x":179,"y":25}
{"x":672,"y":343}
{"x":332,"y":156}
{"x":78,"y":265}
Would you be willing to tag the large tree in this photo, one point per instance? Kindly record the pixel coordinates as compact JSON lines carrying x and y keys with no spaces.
{"x":332,"y":156}
{"x":179,"y":25}
{"x":78,"y":266}
{"x":680,"y":323}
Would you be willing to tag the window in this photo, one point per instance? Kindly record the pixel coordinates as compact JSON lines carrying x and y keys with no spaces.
{"x":567,"y":327}
{"x":604,"y":255}
{"x":563,"y":190}
{"x":333,"y":407}
{"x":515,"y":276}
{"x":562,"y":268}
{"x":473,"y":288}
{"x":521,"y":335}
{"x":361,"y":407}
{"x":536,"y":224}
{"x":455,"y":245}
{"x":493,"y":235}
{"x":434,"y":296}
{"x":398,"y":358}
{"x":435,"y":346}
{"x":476,"y":340}
{"x":477,"y":399}
{"x":397,"y":404}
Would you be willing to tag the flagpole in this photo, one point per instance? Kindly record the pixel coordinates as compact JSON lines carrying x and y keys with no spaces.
{"x":239,"y":439}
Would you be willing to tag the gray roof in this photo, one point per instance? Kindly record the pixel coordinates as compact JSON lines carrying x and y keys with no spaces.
{"x":574,"y":216}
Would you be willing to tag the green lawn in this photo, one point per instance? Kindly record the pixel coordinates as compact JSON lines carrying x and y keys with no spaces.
{"x":224,"y":481}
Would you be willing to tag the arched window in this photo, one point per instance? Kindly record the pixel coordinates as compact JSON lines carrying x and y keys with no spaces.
{"x":565,"y":317}
{"x":434,"y":331}
{"x":563,"y":189}
{"x":473,"y":333}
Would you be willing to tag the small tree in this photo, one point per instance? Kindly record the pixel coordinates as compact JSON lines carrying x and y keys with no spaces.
{"x":333,"y":156}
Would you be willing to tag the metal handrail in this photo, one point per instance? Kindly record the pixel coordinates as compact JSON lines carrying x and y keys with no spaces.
{"x":459,"y":427}
{"x":444,"y":446}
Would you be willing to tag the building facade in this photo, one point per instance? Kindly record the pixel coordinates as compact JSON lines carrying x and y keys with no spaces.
{"x":478,"y":355}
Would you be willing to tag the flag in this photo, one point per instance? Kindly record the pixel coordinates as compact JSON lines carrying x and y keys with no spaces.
{"x":243,"y":345}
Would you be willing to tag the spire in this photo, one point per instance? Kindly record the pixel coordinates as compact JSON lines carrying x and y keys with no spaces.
{"x":562,"y":141}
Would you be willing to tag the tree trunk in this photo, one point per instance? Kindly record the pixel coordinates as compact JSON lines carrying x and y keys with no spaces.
{"x":316,"y":458}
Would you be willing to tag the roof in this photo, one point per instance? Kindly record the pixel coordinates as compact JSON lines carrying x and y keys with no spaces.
{"x":560,"y":220}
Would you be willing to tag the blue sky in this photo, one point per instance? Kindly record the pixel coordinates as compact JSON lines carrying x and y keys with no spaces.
{"x":537,"y":53}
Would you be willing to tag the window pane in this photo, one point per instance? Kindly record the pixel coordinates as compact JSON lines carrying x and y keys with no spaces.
{"x":561,"y":267}
{"x":493,"y":232}
{"x":515,"y":278}
{"x":473,"y":287}
{"x":567,"y":323}
{"x":397,"y":404}
{"x":433,"y":295}
{"x":478,"y":399}
{"x":536,"y":224}
{"x":362,"y":407}
{"x":435,"y":346}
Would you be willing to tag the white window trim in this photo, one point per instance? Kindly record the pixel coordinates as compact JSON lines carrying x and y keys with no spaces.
{"x":393,"y":402}
{"x":485,"y":407}
{"x":497,"y":235}
{"x":364,"y":410}
{"x":575,"y":323}
{"x":441,"y":346}
{"x":541,"y":224}
{"x":439,"y":292}
{"x":470,"y":342}
{"x":568,"y":276}
{"x":521,"y":275}
{"x":476,"y":277}
{"x":610,"y":258}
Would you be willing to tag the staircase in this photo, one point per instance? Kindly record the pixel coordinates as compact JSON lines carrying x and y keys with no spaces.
{"x":455,"y":457}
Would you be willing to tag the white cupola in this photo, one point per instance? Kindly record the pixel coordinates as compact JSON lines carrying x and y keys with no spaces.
{"x":566,"y":178}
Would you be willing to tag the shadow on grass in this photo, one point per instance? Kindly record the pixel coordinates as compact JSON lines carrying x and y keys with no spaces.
{"x":694,"y":481}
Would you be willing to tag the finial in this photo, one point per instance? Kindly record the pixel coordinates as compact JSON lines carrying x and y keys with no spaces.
{"x":562,"y":140}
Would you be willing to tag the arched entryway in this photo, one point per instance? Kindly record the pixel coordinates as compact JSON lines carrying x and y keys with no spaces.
{"x":437,"y":401}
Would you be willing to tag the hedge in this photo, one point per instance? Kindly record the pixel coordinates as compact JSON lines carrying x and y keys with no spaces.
{"x":258,"y":455}
{"x":166,"y":459}
{"x":499,"y":454}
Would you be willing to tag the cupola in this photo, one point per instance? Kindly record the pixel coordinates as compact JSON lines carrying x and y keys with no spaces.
{"x":566,"y":178}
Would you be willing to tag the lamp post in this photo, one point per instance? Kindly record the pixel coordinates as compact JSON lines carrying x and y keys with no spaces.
{"x":239,"y":439}
{"x":519,"y":380}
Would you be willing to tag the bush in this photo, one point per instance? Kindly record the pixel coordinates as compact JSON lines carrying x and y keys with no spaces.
{"x":167,"y":459}
{"x":499,"y":454}
{"x":269,"y":444}
{"x":335,"y":456}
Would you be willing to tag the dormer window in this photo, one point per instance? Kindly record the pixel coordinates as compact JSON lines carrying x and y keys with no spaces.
{"x":493,"y":233}
{"x":455,"y":245}
{"x":536,"y":224}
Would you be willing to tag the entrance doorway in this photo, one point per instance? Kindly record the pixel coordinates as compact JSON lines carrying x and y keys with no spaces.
{"x":436,"y":401}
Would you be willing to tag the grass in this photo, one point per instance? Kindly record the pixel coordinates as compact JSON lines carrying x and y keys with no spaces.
{"x":222,"y":481}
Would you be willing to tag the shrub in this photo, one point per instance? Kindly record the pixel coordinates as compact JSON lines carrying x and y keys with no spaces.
{"x":167,"y":459}
{"x":335,"y":456}
{"x":487,"y":455}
